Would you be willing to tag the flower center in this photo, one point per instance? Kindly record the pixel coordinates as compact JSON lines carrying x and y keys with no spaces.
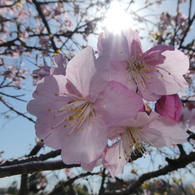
{"x":81,"y":109}
{"x":136,"y":66}
{"x":74,"y":114}
{"x":133,"y":140}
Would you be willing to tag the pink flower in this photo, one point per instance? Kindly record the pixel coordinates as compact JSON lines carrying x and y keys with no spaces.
{"x":73,"y":111}
{"x":60,"y":69}
{"x":57,"y":11}
{"x":44,"y":42}
{"x":159,"y":71}
{"x":42,"y":72}
{"x":169,"y":106}
{"x":152,"y":130}
{"x":68,"y":173}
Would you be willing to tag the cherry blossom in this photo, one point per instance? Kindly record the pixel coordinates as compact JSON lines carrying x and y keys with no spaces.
{"x":159,"y":71}
{"x":15,"y":75}
{"x":146,"y":130}
{"x":167,"y":25}
{"x":44,"y":42}
{"x":74,"y":111}
{"x":60,"y":69}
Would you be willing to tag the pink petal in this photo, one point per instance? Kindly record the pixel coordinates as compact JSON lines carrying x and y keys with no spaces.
{"x":72,"y":89}
{"x":115,"y":130}
{"x":119,"y":46}
{"x":154,"y":137}
{"x":89,"y":75}
{"x":114,"y":45}
{"x":48,"y":96}
{"x":60,"y":60}
{"x":171,"y":71}
{"x":115,"y":103}
{"x":160,"y":83}
{"x":101,"y":78}
{"x":42,"y":72}
{"x":154,"y":55}
{"x":148,"y":88}
{"x":172,"y":83}
{"x":142,"y":119}
{"x":85,"y":146}
{"x":168,"y":70}
{"x":46,"y":109}
{"x":52,"y":134}
{"x":51,"y":85}
{"x":81,"y":69}
{"x":135,"y":48}
{"x":115,"y":159}
{"x":90,"y":166}
{"x":133,"y":42}
{"x":119,"y":73}
{"x":157,"y":84}
{"x":175,"y":62}
{"x":164,"y":132}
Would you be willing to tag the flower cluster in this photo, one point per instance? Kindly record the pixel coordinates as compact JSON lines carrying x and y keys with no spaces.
{"x":83,"y":103}
{"x":14,"y":76}
{"x":167,"y":25}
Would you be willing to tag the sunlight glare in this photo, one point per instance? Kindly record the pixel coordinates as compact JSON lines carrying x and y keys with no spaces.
{"x":117,"y":19}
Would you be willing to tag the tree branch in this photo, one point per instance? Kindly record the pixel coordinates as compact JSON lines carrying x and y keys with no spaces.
{"x":187,"y":30}
{"x":45,"y":23}
{"x":32,"y":167}
{"x":4,"y":6}
{"x":14,"y":96}
{"x":41,"y":157}
{"x":102,"y":189}
{"x":70,"y":181}
{"x":173,"y":164}
{"x":24,"y":177}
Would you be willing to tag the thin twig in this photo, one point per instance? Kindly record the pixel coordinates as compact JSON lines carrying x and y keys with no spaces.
{"x":17,"y":112}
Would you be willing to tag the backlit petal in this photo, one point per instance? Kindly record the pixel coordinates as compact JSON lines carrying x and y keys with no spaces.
{"x":117,"y":103}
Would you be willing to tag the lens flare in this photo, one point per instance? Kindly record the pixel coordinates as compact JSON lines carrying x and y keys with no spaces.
{"x":117,"y":19}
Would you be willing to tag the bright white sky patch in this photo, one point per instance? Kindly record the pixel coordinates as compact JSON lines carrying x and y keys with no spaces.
{"x":116,"y":18}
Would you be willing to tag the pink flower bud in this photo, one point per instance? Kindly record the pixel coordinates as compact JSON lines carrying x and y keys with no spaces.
{"x":169,"y":106}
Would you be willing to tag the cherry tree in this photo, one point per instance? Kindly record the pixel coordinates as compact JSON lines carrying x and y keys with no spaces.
{"x":84,"y":97}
